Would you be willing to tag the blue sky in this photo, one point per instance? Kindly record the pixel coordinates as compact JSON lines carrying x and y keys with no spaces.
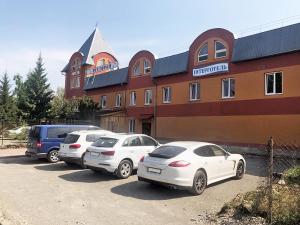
{"x":57,"y":28}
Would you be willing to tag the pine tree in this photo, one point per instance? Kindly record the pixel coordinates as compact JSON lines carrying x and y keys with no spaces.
{"x":8,"y":107}
{"x":38,"y":92}
{"x":21,"y":97}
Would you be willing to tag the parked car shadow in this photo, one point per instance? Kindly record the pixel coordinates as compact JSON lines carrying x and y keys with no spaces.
{"x":20,"y":159}
{"x":145,"y":191}
{"x":87,"y":176}
{"x":59,"y":166}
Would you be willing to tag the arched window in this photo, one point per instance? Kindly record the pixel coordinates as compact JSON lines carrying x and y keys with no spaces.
{"x":147,"y":66}
{"x":137,"y":69}
{"x":220,"y":50}
{"x":203,"y":53}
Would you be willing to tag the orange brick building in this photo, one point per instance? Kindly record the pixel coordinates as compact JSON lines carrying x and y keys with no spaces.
{"x":223,"y":90}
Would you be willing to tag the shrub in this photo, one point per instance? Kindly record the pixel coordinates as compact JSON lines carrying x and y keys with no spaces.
{"x":292,"y":175}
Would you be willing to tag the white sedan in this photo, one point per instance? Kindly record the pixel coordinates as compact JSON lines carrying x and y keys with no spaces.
{"x":119,"y":154}
{"x":190,"y":165}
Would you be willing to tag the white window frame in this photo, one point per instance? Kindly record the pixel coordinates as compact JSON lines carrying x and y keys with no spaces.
{"x":229,"y":87}
{"x":148,"y":96}
{"x":131,"y":126}
{"x":74,"y":81}
{"x":132,"y":99}
{"x":206,"y":44}
{"x":169,"y":97}
{"x":103,"y":100}
{"x":274,"y":83}
{"x":147,"y":67}
{"x":220,"y":51}
{"x":197,"y":85}
{"x":118,"y":100}
{"x":137,"y":67}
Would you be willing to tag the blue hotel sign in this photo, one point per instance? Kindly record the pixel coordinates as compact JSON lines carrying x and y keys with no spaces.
{"x":216,"y":68}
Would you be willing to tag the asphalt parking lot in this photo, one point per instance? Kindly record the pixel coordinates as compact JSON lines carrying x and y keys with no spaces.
{"x":36,"y":192}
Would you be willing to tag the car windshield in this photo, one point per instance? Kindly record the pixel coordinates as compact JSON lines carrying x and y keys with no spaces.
{"x":167,"y":151}
{"x":105,"y":142}
{"x":71,"y":138}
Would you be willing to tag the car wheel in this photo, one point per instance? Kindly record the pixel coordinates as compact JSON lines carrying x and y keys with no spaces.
{"x":199,"y":183}
{"x":124,"y":169}
{"x":240,"y":170}
{"x":53,"y":156}
{"x":82,"y":162}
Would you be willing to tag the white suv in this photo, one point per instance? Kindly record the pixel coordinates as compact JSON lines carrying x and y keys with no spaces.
{"x":75,"y":144}
{"x":119,"y":154}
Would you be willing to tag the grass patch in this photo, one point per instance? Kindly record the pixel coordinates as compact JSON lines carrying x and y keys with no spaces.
{"x":292,"y":175}
{"x":286,"y":204}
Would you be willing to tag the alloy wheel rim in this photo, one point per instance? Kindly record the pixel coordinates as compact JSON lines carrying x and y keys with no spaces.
{"x":54,"y":156}
{"x":199,"y":183}
{"x":125,"y":169}
{"x":240,"y":170}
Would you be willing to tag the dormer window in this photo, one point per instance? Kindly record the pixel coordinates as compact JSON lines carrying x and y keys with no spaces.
{"x":203,"y":53}
{"x":137,"y":69}
{"x":147,"y":66}
{"x":220,"y":50}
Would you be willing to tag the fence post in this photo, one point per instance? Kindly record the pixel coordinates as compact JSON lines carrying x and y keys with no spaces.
{"x":270,"y":178}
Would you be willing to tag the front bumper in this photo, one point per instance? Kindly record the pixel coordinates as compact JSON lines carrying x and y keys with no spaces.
{"x":35,"y":155}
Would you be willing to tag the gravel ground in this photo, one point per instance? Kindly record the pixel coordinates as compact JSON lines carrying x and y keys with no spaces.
{"x":36,"y":192}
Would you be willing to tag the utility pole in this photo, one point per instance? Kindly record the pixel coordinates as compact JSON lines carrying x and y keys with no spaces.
{"x":270,"y":179}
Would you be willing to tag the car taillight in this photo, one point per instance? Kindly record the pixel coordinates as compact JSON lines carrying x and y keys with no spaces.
{"x":108,"y":153}
{"x":74,"y":146}
{"x":142,"y":159}
{"x":180,"y":163}
{"x":39,"y":144}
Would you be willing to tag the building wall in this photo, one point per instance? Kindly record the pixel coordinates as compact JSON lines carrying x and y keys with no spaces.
{"x":249,"y":118}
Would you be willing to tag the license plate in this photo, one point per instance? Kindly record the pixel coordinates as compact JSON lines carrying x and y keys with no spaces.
{"x":154,"y":170}
{"x":94,"y":154}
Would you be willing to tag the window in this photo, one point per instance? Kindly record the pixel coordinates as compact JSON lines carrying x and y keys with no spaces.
{"x":203,"y":53}
{"x":228,"y":88}
{"x":137,"y":69}
{"x":167,"y":151}
{"x":103,"y":101}
{"x":57,"y":132}
{"x":148,"y":141}
{"x":194,"y":91}
{"x":148,"y":97}
{"x":118,"y":100}
{"x":217,"y":151}
{"x":147,"y":67}
{"x":132,"y":141}
{"x":93,"y":137}
{"x":220,"y":50}
{"x":131,"y":126}
{"x":209,"y":151}
{"x":166,"y":94}
{"x":105,"y":142}
{"x":74,"y":81}
{"x":132,"y":98}
{"x":204,"y":151}
{"x":71,"y":138}
{"x":273,"y":83}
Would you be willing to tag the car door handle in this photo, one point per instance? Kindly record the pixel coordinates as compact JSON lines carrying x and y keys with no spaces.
{"x":205,"y":163}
